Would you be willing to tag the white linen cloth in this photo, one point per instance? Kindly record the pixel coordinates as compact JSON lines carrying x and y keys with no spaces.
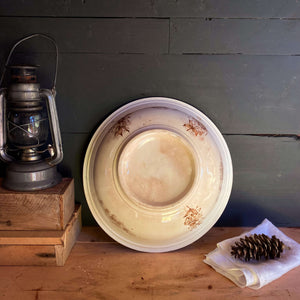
{"x":255,"y":274}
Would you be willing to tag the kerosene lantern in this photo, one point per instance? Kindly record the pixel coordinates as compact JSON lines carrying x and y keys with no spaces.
{"x":30,"y":140}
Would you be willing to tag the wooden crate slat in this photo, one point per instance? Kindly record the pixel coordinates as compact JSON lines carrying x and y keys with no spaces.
{"x":40,"y":247}
{"x":48,"y":209}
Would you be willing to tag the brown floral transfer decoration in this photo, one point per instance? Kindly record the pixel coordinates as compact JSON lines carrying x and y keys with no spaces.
{"x":195,"y":127}
{"x":122,"y":126}
{"x":192,"y":217}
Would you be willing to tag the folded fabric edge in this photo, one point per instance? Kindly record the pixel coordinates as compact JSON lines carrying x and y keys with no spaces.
{"x":239,"y":279}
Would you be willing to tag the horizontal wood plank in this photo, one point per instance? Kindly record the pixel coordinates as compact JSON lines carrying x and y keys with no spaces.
{"x":153,"y":8}
{"x":241,"y":94}
{"x":30,"y":237}
{"x":88,"y":35}
{"x":239,"y":36}
{"x":98,"y":270}
{"x":187,"y":35}
{"x":265,"y":182}
{"x":18,"y":255}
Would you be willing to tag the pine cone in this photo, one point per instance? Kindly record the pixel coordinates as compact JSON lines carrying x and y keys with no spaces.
{"x":257,"y":247}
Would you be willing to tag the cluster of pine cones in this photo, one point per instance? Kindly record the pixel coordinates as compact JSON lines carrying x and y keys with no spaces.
{"x":256,"y":247}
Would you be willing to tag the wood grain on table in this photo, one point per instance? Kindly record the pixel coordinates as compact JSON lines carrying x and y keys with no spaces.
{"x":100,"y":268}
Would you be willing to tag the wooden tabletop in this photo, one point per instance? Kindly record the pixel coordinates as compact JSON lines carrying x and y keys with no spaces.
{"x":99,"y":268}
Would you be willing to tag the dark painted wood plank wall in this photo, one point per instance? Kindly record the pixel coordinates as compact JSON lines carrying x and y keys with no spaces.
{"x":237,"y":61}
{"x":153,"y":8}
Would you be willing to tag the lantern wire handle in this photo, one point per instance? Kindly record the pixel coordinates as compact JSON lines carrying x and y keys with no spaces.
{"x":25,"y":39}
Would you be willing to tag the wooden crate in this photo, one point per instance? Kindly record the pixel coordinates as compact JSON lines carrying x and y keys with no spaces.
{"x":38,"y":247}
{"x":48,"y":209}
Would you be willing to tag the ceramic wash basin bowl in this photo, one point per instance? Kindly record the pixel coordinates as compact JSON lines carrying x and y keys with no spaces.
{"x":157,"y":174}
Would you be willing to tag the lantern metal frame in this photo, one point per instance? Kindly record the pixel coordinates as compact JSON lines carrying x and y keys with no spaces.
{"x":42,"y":173}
